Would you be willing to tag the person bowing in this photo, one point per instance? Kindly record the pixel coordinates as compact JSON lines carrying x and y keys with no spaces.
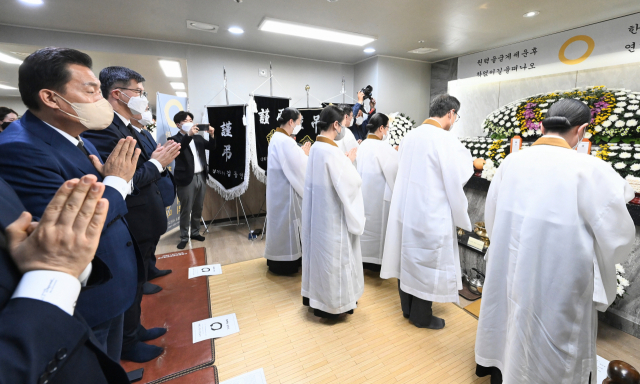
{"x":332,"y":222}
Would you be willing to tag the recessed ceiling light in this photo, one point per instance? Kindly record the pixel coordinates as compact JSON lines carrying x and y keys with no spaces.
{"x":2,"y":86}
{"x":236,"y":30}
{"x":205,"y":27}
{"x":171,"y":68}
{"x":177,"y":85}
{"x":422,"y":51}
{"x":531,"y":14}
{"x":311,"y":32}
{"x":8,"y":59}
{"x":181,"y":94}
{"x":32,"y":2}
{"x":420,"y":41}
{"x":369,"y":50}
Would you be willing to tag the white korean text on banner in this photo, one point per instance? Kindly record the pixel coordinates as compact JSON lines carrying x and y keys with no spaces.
{"x":265,"y":121}
{"x":229,"y":162}
{"x":610,"y":42}
{"x":166,"y":107}
{"x":309,"y":131}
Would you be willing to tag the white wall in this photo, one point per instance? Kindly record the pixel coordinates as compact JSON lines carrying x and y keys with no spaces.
{"x":479,"y":100}
{"x":404,"y":86}
{"x":14,"y":103}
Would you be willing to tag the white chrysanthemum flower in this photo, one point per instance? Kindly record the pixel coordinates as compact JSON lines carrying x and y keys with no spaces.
{"x":550,"y":100}
{"x":614,"y":147}
{"x":620,"y":93}
{"x":620,"y":165}
{"x":598,"y":128}
{"x":613,"y":118}
{"x":624,"y":282}
{"x":635,"y":167}
{"x":625,"y":155}
{"x":632,"y":108}
{"x":621,"y":98}
{"x":619,"y":291}
{"x":636,"y":156}
{"x":587,"y":135}
{"x":619,"y":268}
{"x":517,"y":130}
{"x":544,"y":111}
{"x":475,"y":151}
{"x":632,"y":123}
{"x":525,"y":134}
{"x":621,"y":104}
{"x":618,"y":110}
{"x":500,"y":160}
{"x":619,"y":124}
{"x":508,"y":124}
{"x":613,"y":154}
{"x":606,"y":124}
{"x":483,"y":151}
{"x":501,"y":150}
{"x":628,"y":115}
{"x":539,"y":132}
{"x":543,"y":105}
{"x":634,"y":101}
{"x":531,"y":132}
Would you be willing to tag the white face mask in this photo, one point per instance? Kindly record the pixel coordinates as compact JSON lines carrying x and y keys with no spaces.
{"x":147,"y":118}
{"x":359,"y":120}
{"x":186,"y":126}
{"x":352,"y":121}
{"x":297,"y":129}
{"x":137,"y":104}
{"x":340,"y":135}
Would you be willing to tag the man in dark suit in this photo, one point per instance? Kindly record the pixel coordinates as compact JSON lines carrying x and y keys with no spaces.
{"x":123,"y":89}
{"x":191,"y":175}
{"x":42,"y":338}
{"x":43,"y":149}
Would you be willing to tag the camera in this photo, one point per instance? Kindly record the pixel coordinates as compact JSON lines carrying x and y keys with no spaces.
{"x":367,"y":92}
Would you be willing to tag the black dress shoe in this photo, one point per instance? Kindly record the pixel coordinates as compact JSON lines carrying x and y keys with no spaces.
{"x":198,"y":237}
{"x":150,"y":289}
{"x":159,"y":273}
{"x":151,"y":333}
{"x":141,"y":353}
{"x":182,"y":244}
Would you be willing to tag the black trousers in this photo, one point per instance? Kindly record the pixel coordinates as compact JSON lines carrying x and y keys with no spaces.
{"x":418,"y":311}
{"x":132,"y":315}
{"x":284,"y":267}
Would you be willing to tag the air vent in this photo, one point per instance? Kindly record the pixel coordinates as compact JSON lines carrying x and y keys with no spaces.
{"x":422,"y":51}
{"x":205,"y":27}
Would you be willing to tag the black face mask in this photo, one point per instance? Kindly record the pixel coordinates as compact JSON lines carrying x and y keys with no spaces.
{"x":5,"y":125}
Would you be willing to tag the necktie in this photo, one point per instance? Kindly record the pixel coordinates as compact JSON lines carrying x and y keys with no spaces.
{"x":82,"y":148}
{"x":134,"y":133}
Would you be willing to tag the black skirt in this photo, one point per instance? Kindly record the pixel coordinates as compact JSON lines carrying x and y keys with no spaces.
{"x":284,"y":267}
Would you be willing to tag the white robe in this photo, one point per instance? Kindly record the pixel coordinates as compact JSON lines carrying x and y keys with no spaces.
{"x":558,"y":224}
{"x":286,"y":170}
{"x":377,"y":166}
{"x":347,"y":143}
{"x":332,"y":222}
{"x":421,"y":246}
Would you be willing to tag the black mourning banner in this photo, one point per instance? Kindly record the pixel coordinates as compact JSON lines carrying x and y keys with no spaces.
{"x":229,"y":162}
{"x":309,"y":131}
{"x":266,"y":117}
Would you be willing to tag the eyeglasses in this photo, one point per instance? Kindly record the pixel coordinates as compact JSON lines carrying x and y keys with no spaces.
{"x":457,"y":116}
{"x":140,"y":92}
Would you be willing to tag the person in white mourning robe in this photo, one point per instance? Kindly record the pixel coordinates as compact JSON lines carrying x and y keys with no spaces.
{"x":421,"y":245}
{"x":558,"y":224}
{"x":286,"y":168}
{"x":332,"y":222}
{"x":349,"y":141}
{"x":377,"y":165}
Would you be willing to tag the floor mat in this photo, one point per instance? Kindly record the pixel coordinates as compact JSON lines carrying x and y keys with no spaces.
{"x":181,"y":302}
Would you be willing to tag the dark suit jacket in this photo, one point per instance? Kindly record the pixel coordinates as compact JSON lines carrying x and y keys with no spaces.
{"x":360,"y":131}
{"x":36,"y":160}
{"x":166,"y":184}
{"x":183,"y":172}
{"x":147,"y":216}
{"x":37,"y":337}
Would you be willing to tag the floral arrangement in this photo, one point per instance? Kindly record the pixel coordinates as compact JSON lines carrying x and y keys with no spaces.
{"x":151,"y":127}
{"x":623,"y":283}
{"x":615,"y":115}
{"x":623,"y":157}
{"x":399,"y":125}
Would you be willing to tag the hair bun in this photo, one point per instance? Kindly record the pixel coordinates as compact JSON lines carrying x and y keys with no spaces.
{"x":370,"y":126}
{"x":322,"y":125}
{"x":280,"y":120}
{"x":556,"y":123}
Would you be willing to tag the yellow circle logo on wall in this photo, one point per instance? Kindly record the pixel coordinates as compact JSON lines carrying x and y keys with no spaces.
{"x":167,"y":108}
{"x":590,"y":45}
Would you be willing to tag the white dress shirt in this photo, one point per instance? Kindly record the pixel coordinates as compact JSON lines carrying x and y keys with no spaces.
{"x":197,"y":165}
{"x":126,"y":123}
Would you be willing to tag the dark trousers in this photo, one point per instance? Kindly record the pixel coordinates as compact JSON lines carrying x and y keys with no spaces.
{"x":418,"y":311}
{"x":191,"y":200}
{"x":132,"y":315}
{"x":109,"y":334}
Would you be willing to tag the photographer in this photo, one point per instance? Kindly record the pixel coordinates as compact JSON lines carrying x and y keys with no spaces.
{"x":359,"y":127}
